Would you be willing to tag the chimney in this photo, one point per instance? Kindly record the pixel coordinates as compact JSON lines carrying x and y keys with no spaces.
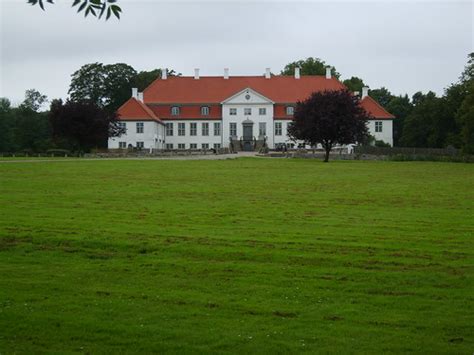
{"x":164,"y":74}
{"x":226,"y":73}
{"x":267,"y":73}
{"x":196,"y":73}
{"x":297,"y":73}
{"x":328,"y":72}
{"x":356,"y":93}
{"x":365,"y":92}
{"x":140,"y":96}
{"x":135,"y":93}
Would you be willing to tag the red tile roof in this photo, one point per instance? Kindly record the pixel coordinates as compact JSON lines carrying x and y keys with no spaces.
{"x":375,"y":109}
{"x":215,"y":89}
{"x":211,"y":91}
{"x":188,"y":112}
{"x":135,"y":110}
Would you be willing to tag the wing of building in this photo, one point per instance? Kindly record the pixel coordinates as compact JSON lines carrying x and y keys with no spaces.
{"x":211,"y":112}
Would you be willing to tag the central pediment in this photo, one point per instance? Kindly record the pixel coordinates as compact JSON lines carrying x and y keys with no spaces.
{"x":247,"y":96}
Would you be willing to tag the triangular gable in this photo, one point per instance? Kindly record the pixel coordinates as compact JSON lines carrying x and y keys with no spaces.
{"x":247,"y":95}
{"x":375,"y":110}
{"x":135,"y":110}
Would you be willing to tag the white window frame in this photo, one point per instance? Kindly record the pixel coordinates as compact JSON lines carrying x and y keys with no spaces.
{"x":181,"y":146}
{"x":140,"y":145}
{"x":122,"y":145}
{"x":262,"y":129}
{"x":278,"y":129}
{"x":181,"y":128}
{"x":290,"y":110}
{"x":140,"y":127}
{"x":378,"y":126}
{"x":193,"y":146}
{"x":232,"y":111}
{"x":217,"y":128}
{"x":247,"y":111}
{"x":193,"y":129}
{"x":169,"y":128}
{"x":175,"y":111}
{"x":262,"y":111}
{"x":205,"y":129}
{"x":169,"y":146}
{"x":217,"y":146}
{"x":123,"y":125}
{"x":233,"y":129}
{"x":205,"y":145}
{"x":205,"y":110}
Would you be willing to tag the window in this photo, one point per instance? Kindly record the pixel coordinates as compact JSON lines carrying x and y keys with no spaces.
{"x":262,"y":111}
{"x":205,"y":129}
{"x":217,"y":145}
{"x":193,"y":146}
{"x":378,"y":126}
{"x":122,"y":125}
{"x":140,"y":145}
{"x":290,"y":110}
{"x":181,"y":146}
{"x":205,"y":146}
{"x":175,"y":111}
{"x":193,"y":129}
{"x":278,"y":129}
{"x":232,"y":111}
{"x":205,"y":111}
{"x":247,"y":111}
{"x":122,"y":145}
{"x":169,"y":129}
{"x":262,"y":129}
{"x":181,"y":129}
{"x":233,"y":129}
{"x":217,"y":128}
{"x":139,"y":127}
{"x":169,"y":146}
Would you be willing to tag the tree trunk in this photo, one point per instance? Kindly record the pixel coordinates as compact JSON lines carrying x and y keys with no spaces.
{"x":326,"y":156}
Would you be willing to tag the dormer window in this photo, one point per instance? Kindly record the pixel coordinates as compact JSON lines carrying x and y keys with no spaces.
{"x":204,"y":111}
{"x":175,"y":111}
{"x":290,"y":110}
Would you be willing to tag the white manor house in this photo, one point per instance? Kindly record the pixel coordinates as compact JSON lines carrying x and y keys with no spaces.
{"x":241,"y":112}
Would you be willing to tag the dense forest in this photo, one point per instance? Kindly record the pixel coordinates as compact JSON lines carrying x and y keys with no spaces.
{"x":424,"y":120}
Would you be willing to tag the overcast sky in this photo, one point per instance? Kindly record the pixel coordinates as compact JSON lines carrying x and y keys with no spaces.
{"x":405,"y":46}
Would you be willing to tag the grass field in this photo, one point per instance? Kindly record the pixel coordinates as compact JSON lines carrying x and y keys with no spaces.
{"x":236,"y":256}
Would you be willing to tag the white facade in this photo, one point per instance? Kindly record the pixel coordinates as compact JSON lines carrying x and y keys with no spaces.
{"x":199,"y":140}
{"x":248,"y":106}
{"x":382,"y":130}
{"x":148,"y":133}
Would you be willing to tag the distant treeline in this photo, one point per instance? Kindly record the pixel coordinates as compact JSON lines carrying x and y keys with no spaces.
{"x":424,"y":120}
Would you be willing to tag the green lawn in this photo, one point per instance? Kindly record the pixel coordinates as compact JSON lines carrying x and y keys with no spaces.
{"x":236,"y":256}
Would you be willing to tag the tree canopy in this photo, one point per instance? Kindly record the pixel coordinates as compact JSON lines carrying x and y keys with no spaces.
{"x":354,"y":84}
{"x":82,"y":125}
{"x":329,"y":118}
{"x":97,"y":8}
{"x":309,"y":66}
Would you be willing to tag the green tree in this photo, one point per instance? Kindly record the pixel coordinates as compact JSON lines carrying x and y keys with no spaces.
{"x":465,"y":117}
{"x":97,"y":8}
{"x":329,"y":118}
{"x":82,"y":125}
{"x":400,"y":107}
{"x":33,"y":100}
{"x":354,"y":84}
{"x":309,"y":66}
{"x":144,"y":78}
{"x":7,"y":121}
{"x":382,"y":96}
{"x":107,"y":86}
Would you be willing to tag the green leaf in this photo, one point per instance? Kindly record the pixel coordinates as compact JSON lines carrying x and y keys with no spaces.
{"x":75,"y":2}
{"x":116,"y":10}
{"x":82,"y":6}
{"x":109,"y":12}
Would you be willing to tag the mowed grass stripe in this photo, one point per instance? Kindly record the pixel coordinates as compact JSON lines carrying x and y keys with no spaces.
{"x":244,"y":255}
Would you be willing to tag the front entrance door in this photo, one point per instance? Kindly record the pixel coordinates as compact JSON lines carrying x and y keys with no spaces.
{"x":247,"y":136}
